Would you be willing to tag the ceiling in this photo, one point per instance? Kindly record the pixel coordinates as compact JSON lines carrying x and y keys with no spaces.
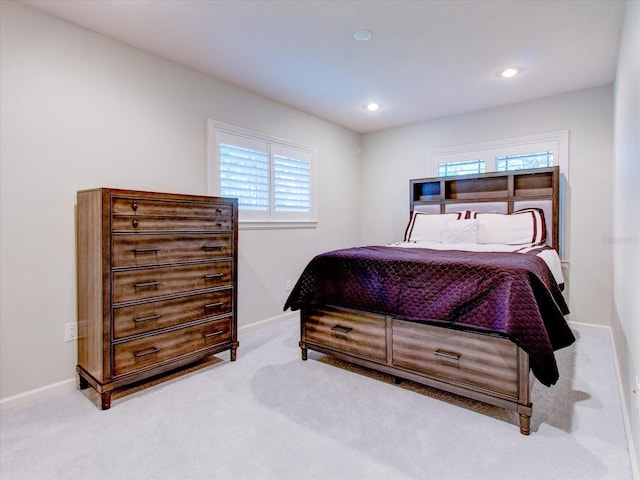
{"x":427,"y":59}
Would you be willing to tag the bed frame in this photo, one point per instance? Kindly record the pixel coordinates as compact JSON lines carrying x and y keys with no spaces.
{"x":483,"y":367}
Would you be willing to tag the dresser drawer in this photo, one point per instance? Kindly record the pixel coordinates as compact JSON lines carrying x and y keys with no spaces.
{"x":357,"y":333}
{"x":480,"y":360}
{"x":169,"y":208}
{"x":146,"y":317}
{"x":138,"y":250}
{"x":140,"y":223}
{"x":134,"y":355}
{"x":148,"y":283}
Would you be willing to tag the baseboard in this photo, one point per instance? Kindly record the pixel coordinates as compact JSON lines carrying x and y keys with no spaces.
{"x":635,"y":461}
{"x":55,"y":389}
{"x":267,"y":321}
{"x":583,"y":324}
{"x":38,"y":394}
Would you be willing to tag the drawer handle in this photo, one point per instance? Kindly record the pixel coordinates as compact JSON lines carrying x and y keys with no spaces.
{"x":212,"y":276}
{"x":134,"y":206}
{"x":218,"y":224}
{"x":146,"y":284}
{"x":341,"y":329}
{"x":212,"y":247}
{"x":447,"y":355}
{"x":135,"y":223}
{"x":136,"y":251}
{"x":146,"y":319}
{"x":209,"y":306}
{"x":218,"y":210}
{"x":144,"y":353}
{"x":212,"y":334}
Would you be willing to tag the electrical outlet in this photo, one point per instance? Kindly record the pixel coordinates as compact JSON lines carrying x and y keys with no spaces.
{"x":70,"y":331}
{"x":287,"y":285}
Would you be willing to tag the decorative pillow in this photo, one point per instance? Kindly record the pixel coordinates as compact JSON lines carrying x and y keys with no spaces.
{"x":459,"y":231}
{"x":426,"y":226}
{"x":525,"y":226}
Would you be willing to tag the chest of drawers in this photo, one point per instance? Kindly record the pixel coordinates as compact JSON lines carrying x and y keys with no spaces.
{"x":157,"y":284}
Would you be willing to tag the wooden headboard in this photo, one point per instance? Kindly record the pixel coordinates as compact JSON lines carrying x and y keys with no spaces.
{"x":500,"y":192}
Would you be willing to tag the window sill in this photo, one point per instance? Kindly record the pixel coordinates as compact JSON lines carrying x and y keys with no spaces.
{"x":248,"y":225}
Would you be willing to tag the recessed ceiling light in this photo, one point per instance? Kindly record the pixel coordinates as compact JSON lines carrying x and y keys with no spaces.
{"x":509,"y":72}
{"x":373,"y":107}
{"x":362,"y":35}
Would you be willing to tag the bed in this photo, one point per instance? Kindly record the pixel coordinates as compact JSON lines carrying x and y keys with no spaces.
{"x":470,"y":302}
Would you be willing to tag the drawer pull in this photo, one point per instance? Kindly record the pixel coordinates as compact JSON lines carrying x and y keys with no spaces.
{"x":212,"y":247}
{"x":134,"y":206}
{"x":341,"y":329}
{"x":136,"y":251}
{"x":135,"y":223}
{"x":218,"y":210}
{"x":146,"y":284}
{"x":146,"y":319}
{"x":447,"y":355}
{"x":144,"y":353}
{"x":212,"y":276}
{"x":218,"y":224}
{"x":212,"y":334}
{"x":209,"y":306}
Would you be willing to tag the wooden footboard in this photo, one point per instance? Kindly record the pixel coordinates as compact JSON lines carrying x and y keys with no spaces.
{"x":482,"y":367}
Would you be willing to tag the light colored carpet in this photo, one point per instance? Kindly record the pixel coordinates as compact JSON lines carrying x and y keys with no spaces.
{"x":269,"y":415}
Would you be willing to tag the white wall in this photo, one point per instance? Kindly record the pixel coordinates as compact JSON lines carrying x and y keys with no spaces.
{"x":626,"y":216}
{"x":390,"y":158}
{"x":82,"y":111}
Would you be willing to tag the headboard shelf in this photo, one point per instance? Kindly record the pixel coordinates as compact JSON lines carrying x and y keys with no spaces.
{"x":476,"y":187}
{"x":503,"y":192}
{"x":539,"y":182}
{"x":534,"y":192}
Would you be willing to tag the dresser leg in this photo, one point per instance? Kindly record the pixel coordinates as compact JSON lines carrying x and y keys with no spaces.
{"x":82,"y":383}
{"x":106,"y":400}
{"x":233,"y":354}
{"x":525,"y":424}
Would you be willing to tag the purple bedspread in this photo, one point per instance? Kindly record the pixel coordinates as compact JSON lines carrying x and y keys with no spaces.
{"x":511,"y":294}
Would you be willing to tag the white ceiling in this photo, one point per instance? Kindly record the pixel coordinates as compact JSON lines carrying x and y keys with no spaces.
{"x":427,"y":59}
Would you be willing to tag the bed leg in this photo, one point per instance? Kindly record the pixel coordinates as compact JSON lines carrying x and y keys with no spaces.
{"x":525,"y":424}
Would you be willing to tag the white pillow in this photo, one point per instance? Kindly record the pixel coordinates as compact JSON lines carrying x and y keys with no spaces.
{"x":459,"y":231}
{"x":426,"y":226}
{"x":518,"y":228}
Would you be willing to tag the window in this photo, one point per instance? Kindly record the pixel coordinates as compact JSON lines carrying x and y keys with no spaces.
{"x":244,"y":174}
{"x":535,"y":151}
{"x":460,"y":168}
{"x":271,"y":178}
{"x":525,"y":161}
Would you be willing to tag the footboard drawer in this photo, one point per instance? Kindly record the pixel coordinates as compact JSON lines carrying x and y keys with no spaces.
{"x":357,"y":333}
{"x":487,"y":362}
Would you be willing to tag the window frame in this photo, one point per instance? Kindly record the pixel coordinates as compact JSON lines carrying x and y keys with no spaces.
{"x":269,"y":219}
{"x":557,"y":141}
